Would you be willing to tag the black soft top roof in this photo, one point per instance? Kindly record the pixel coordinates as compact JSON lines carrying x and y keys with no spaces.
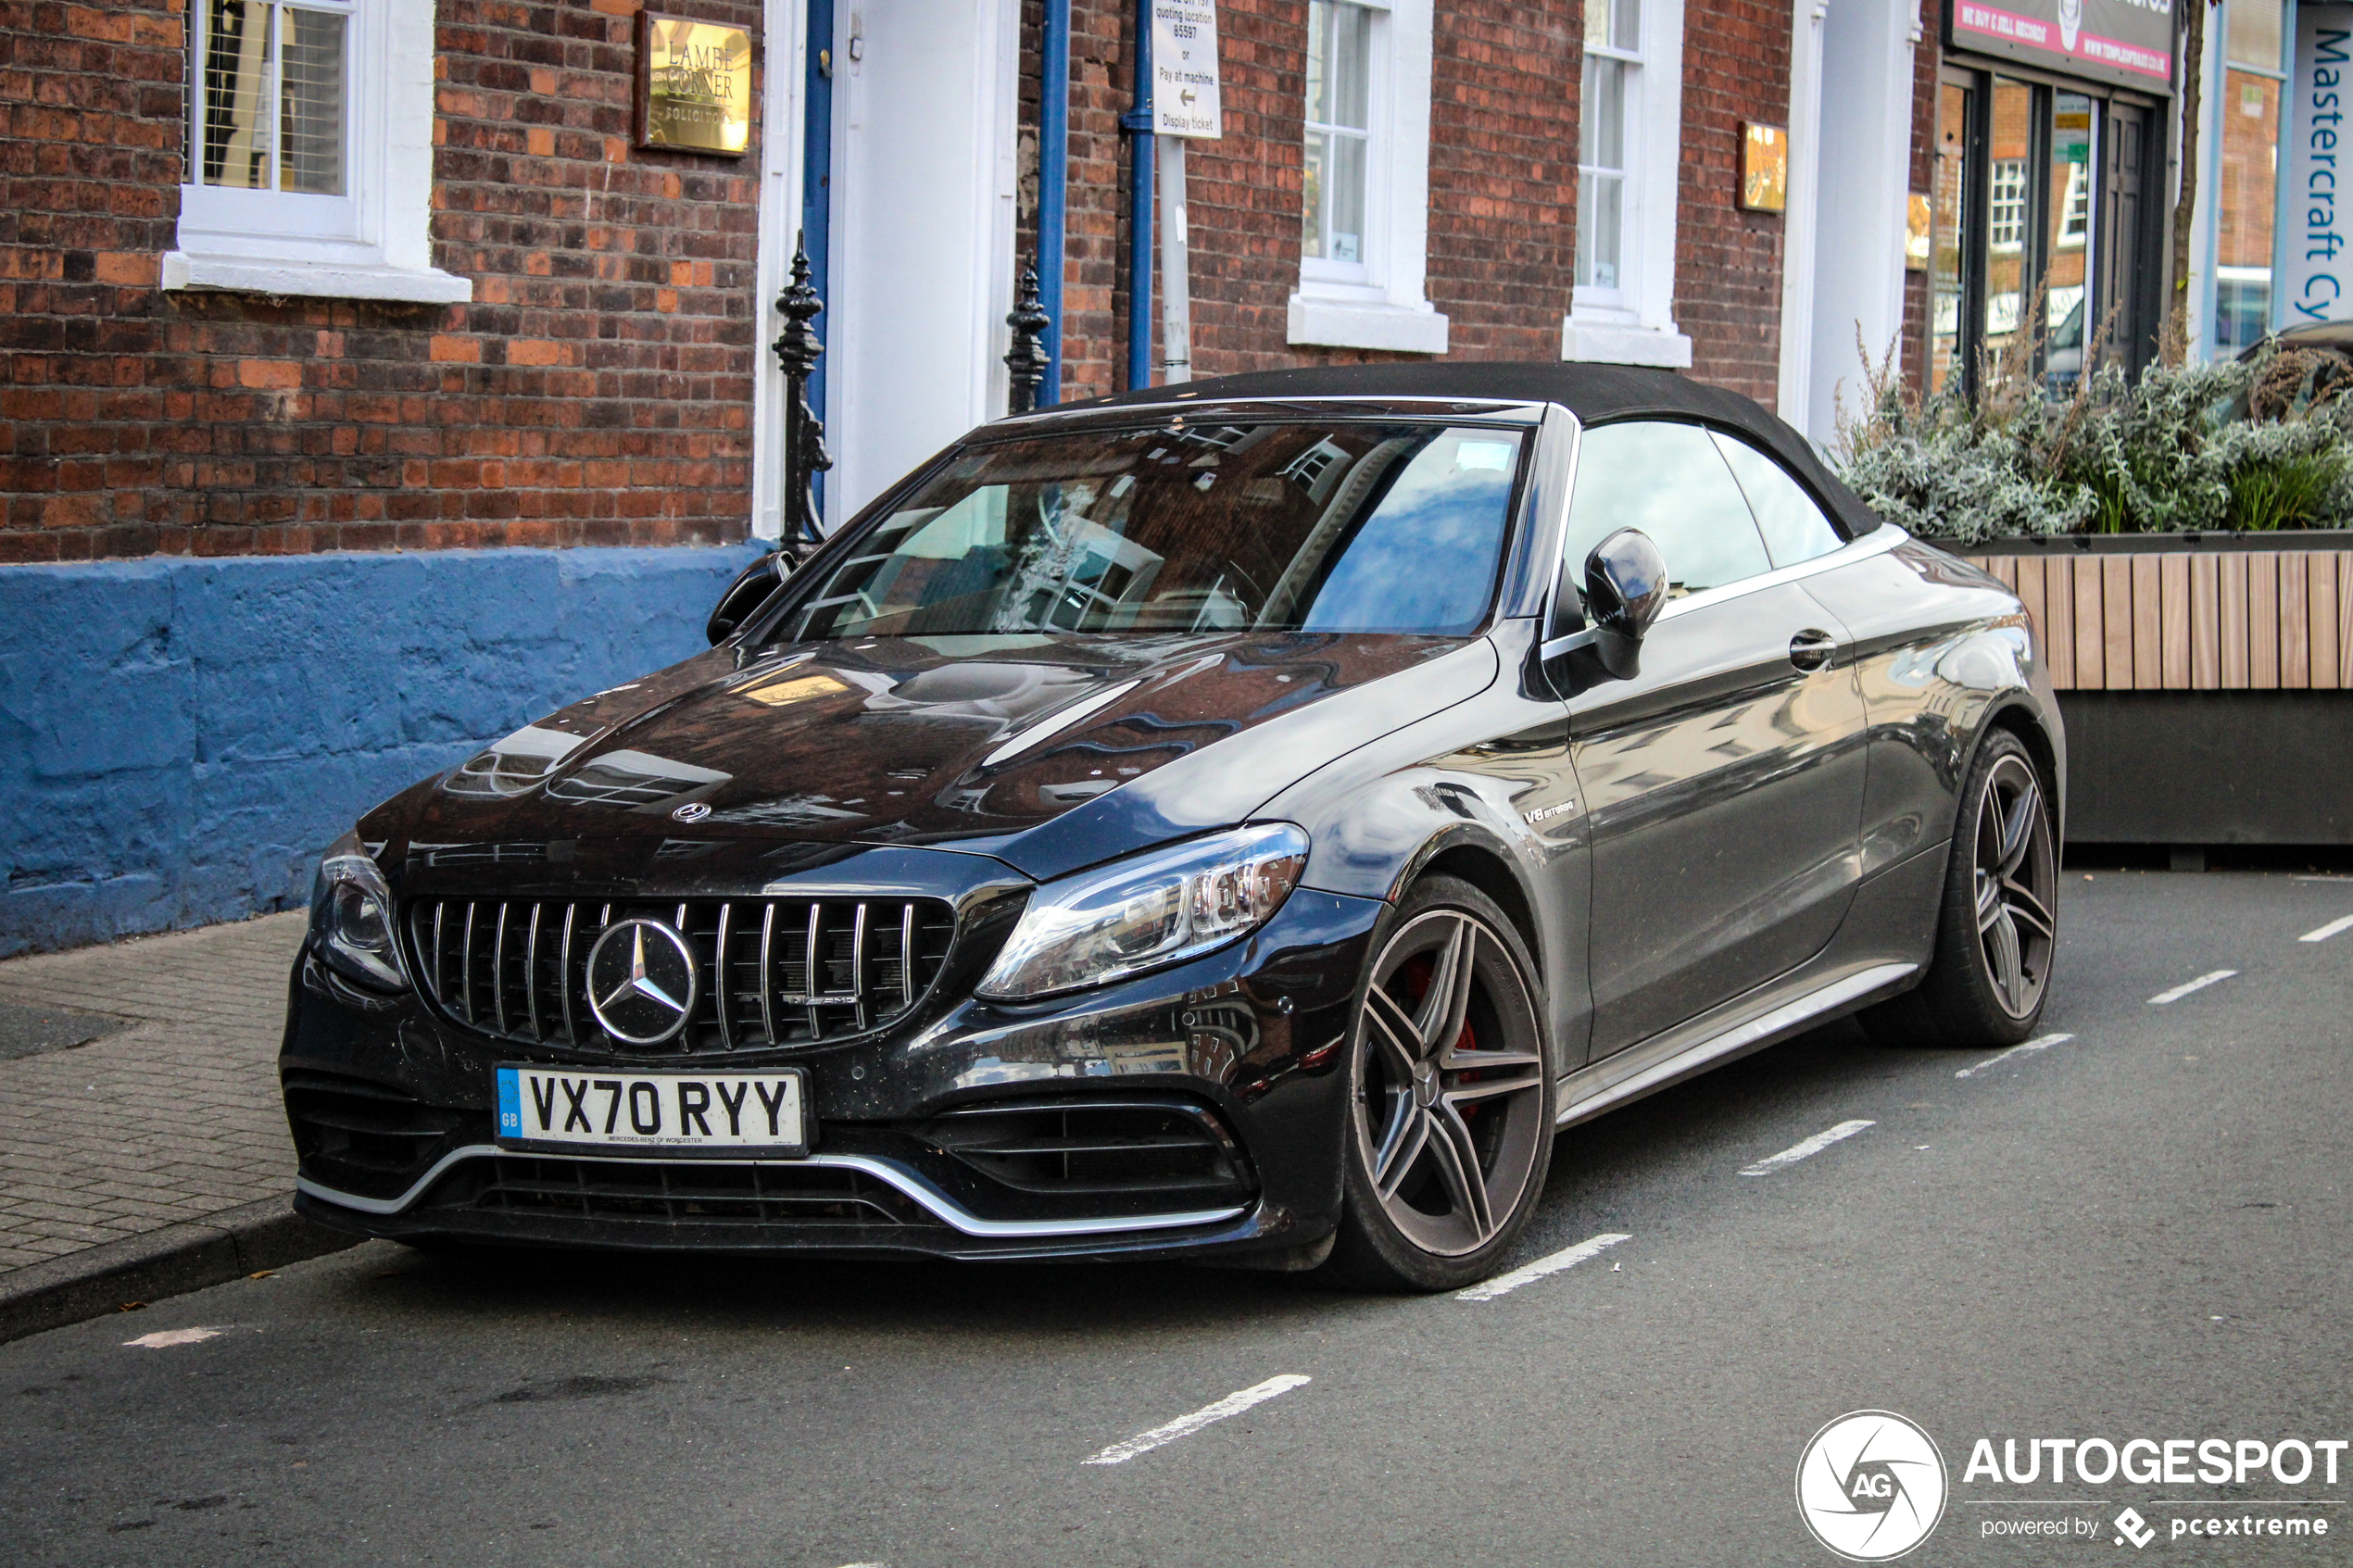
{"x":1595,"y":393}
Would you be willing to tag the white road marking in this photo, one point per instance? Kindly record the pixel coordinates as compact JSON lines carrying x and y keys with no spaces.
{"x":2342,"y":922}
{"x":2200,"y":984}
{"x":2040,"y":1043}
{"x":1208,"y":1415}
{"x":1806,"y":1149}
{"x":1566,"y":1257}
{"x":163,"y":1337}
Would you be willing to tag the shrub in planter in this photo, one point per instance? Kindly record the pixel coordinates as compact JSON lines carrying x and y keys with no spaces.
{"x":2257,"y":445}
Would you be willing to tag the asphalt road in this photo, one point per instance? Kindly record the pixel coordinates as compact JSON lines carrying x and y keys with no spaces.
{"x":2137,"y":1231}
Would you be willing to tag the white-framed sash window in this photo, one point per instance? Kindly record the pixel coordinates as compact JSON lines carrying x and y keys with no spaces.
{"x":1364,"y":197}
{"x":1610,"y":96}
{"x":1628,"y":163}
{"x":309,"y":143}
{"x":1337,"y":177}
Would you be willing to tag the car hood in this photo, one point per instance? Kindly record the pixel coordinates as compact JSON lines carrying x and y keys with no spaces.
{"x":1047,"y":752}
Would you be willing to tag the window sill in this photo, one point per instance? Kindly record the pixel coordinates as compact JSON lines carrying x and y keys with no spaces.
{"x":1399,"y":329}
{"x":1609,"y":344}
{"x":418,"y":286}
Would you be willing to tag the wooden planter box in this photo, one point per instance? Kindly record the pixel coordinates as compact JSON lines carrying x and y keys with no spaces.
{"x":2207,"y":680}
{"x":2173,"y":612}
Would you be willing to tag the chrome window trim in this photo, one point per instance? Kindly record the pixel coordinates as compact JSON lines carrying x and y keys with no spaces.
{"x":1877,"y":541}
{"x":939,"y":1203}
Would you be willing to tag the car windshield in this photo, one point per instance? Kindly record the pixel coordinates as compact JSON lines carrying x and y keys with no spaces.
{"x":1292,"y":526}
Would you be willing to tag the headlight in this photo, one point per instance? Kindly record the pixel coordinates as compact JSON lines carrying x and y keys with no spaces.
{"x":1156,"y":908}
{"x":351,"y":918}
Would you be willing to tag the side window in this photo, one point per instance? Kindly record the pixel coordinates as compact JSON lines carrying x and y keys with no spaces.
{"x":1668,"y":481}
{"x":1793,"y":526}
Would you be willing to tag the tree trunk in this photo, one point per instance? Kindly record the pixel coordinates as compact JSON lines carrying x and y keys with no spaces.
{"x":2175,"y":342}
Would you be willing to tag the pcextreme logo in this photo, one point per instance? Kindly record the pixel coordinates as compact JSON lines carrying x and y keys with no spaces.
{"x":1870,"y":1486}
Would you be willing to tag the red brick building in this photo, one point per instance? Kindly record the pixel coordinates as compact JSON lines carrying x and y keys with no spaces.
{"x":1503,"y":82}
{"x":573,"y":364}
{"x":543,"y":331}
{"x":304,"y":297}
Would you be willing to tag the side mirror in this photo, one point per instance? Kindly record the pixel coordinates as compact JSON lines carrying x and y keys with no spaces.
{"x":1625,"y":589}
{"x":747,"y":593}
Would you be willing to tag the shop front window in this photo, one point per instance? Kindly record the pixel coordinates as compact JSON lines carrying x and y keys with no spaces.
{"x":2066,"y":298}
{"x":2010,"y":270}
{"x":2247,"y":175}
{"x":2039,"y":241}
{"x":1948,"y":245}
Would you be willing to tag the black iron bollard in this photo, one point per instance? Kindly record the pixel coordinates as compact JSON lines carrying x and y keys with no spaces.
{"x":805,"y":454}
{"x":1026,"y":359}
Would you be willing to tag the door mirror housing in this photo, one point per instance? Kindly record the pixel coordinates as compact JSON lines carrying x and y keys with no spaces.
{"x":1625,"y":589}
{"x":751,"y":589}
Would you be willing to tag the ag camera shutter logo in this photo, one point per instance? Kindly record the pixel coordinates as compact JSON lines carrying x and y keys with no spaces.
{"x":1870,"y":1486}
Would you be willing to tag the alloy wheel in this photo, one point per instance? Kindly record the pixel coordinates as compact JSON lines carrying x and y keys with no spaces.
{"x":1448,"y":1082}
{"x":2017,"y":870}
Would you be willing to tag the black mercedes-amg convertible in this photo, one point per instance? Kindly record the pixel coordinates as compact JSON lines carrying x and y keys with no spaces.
{"x":1249,"y":820}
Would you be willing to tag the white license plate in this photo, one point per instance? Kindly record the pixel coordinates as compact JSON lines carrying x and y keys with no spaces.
{"x":690,"y":1114}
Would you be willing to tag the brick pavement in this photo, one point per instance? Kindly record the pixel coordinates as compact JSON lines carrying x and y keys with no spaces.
{"x":173,"y":1119}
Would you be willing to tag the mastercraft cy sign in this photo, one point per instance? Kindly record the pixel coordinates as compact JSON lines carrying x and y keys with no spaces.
{"x":2316,"y":239}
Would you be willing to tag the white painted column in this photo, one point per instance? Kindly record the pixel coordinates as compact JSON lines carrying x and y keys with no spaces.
{"x":1861,"y":212}
{"x":1799,"y":227}
{"x":786,"y":45}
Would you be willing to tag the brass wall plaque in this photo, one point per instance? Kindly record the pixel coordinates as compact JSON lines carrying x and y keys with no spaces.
{"x":1764,"y":168}
{"x":694,"y":85}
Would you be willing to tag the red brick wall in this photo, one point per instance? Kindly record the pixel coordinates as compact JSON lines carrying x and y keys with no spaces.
{"x":1502,"y":187}
{"x":598,"y":390}
{"x":1728,"y":262}
{"x":1502,"y":174}
{"x":1095,"y":242}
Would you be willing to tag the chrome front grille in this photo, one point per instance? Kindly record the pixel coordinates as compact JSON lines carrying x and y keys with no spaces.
{"x":774,"y":972}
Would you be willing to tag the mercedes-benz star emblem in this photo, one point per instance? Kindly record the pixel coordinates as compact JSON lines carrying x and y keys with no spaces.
{"x":641,"y":981}
{"x":692,"y":811}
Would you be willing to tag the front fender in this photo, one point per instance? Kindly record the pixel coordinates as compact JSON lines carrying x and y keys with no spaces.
{"x":1455,"y":791}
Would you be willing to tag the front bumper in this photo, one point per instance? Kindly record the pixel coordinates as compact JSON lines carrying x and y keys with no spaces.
{"x":1196,"y":1110}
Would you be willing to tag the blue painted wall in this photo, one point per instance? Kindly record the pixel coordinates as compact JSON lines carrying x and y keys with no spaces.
{"x":179,"y":738}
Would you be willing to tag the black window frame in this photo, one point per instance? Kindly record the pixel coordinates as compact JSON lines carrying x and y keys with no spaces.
{"x":2135,"y":341}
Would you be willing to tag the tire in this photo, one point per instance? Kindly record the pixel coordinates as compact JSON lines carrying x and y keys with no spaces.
{"x":1447,"y":1143}
{"x":1997,"y":922}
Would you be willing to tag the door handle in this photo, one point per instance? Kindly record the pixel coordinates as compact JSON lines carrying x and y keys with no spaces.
{"x":1812,"y":649}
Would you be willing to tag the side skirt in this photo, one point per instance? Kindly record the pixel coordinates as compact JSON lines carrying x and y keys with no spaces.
{"x":1750,"y":1024}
